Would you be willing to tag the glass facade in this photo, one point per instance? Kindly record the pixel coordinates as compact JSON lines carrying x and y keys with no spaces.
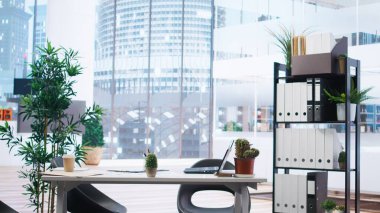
{"x":152,"y":75}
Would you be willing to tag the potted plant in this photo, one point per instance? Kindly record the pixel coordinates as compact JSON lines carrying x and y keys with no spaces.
{"x":342,"y":160}
{"x":151,"y":165}
{"x":356,"y":97}
{"x":93,"y":141}
{"x":328,"y":206}
{"x":54,"y":131}
{"x":342,"y":60}
{"x":340,"y":209}
{"x":284,"y":42}
{"x":245,"y":156}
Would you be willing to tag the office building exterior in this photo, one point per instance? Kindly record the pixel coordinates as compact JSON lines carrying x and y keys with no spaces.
{"x":13,"y":44}
{"x":173,"y":110}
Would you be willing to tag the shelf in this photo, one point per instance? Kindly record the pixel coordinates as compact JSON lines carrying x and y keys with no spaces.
{"x":327,"y":170}
{"x":299,"y":77}
{"x":314,"y":122}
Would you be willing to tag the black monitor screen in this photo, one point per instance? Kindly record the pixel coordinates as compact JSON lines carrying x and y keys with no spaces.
{"x":22,"y":86}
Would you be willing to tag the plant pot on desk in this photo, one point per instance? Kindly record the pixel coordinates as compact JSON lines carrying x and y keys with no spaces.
{"x":244,"y":166}
{"x":151,"y":172}
{"x":93,"y":155}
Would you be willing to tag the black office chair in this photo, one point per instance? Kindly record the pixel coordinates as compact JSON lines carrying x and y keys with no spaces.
{"x":185,"y":191}
{"x":4,"y":208}
{"x":86,"y":198}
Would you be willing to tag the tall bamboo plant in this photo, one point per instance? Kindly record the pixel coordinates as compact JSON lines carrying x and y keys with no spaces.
{"x":53,"y":130}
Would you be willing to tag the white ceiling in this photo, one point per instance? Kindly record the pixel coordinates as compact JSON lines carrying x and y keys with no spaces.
{"x":338,"y":4}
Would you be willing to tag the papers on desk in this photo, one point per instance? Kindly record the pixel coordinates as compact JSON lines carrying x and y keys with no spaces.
{"x":80,"y":172}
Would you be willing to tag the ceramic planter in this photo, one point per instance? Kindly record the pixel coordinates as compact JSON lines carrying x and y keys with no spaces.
{"x":93,"y":155}
{"x":151,"y":172}
{"x":341,"y":111}
{"x":342,"y":165}
{"x":244,"y":166}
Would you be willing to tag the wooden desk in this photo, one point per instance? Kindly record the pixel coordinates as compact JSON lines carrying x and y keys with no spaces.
{"x":238,"y":185}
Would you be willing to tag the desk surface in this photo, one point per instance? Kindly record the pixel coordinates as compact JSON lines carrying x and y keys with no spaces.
{"x":139,"y":178}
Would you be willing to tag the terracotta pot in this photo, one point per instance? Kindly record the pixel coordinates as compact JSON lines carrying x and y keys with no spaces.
{"x":244,"y":165}
{"x":151,"y":172}
{"x":93,"y":155}
{"x":342,"y":165}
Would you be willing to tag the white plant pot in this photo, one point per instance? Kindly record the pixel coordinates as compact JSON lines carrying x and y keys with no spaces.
{"x":341,"y":111}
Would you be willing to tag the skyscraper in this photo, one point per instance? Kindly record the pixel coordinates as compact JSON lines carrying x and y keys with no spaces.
{"x":13,"y":43}
{"x":160,"y":74}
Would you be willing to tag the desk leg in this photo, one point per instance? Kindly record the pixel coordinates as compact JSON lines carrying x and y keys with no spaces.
{"x":241,"y":198}
{"x":61,"y":198}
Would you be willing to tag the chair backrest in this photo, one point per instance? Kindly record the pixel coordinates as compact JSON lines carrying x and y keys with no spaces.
{"x":213,"y":162}
{"x":4,"y":208}
{"x":56,"y":162}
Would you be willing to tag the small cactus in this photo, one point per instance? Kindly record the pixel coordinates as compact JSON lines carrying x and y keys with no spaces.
{"x":151,"y":161}
{"x":251,"y":153}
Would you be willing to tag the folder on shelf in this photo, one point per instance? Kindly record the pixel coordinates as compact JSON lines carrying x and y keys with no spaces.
{"x":287,"y":148}
{"x":280,"y":115}
{"x":295,"y":162}
{"x":288,"y":105}
{"x":302,"y":193}
{"x":303,"y":102}
{"x":286,"y":191}
{"x":332,"y":149}
{"x":303,"y":148}
{"x":316,"y":191}
{"x":319,"y":148}
{"x":310,"y":148}
{"x":293,"y":193}
{"x":310,"y":101}
{"x":278,"y":194}
{"x":296,"y":106}
{"x":317,"y":100}
{"x":280,"y":147}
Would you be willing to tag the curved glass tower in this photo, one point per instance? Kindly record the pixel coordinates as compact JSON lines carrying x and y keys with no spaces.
{"x":153,"y":76}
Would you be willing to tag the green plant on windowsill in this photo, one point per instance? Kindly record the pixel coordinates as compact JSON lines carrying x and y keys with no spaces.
{"x":151,"y":164}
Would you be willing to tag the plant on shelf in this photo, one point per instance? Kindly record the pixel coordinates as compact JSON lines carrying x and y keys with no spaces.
{"x":356,"y":97}
{"x":54,"y":131}
{"x":328,"y":205}
{"x":245,"y":156}
{"x":151,"y":164}
{"x":340,"y":209}
{"x":283,"y":40}
{"x":92,"y":140}
{"x":342,"y":160}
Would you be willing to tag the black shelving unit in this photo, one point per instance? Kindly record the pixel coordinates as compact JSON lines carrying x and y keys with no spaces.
{"x":352,"y":72}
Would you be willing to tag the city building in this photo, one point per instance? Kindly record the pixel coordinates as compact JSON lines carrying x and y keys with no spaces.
{"x":13,"y":44}
{"x":160,"y":67}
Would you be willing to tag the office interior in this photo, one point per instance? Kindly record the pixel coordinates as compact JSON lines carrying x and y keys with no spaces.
{"x":184,"y":78}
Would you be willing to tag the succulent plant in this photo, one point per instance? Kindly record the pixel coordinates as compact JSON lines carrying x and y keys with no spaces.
{"x":241,"y":145}
{"x":251,"y":153}
{"x":151,"y":161}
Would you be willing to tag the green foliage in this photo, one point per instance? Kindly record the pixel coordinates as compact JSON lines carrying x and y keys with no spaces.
{"x":93,"y":135}
{"x":251,"y":153}
{"x":340,"y":208}
{"x":328,"y":205}
{"x":53,"y":131}
{"x":356,"y":96}
{"x":232,"y":126}
{"x":284,"y":42}
{"x":342,"y":157}
{"x":151,"y":161}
